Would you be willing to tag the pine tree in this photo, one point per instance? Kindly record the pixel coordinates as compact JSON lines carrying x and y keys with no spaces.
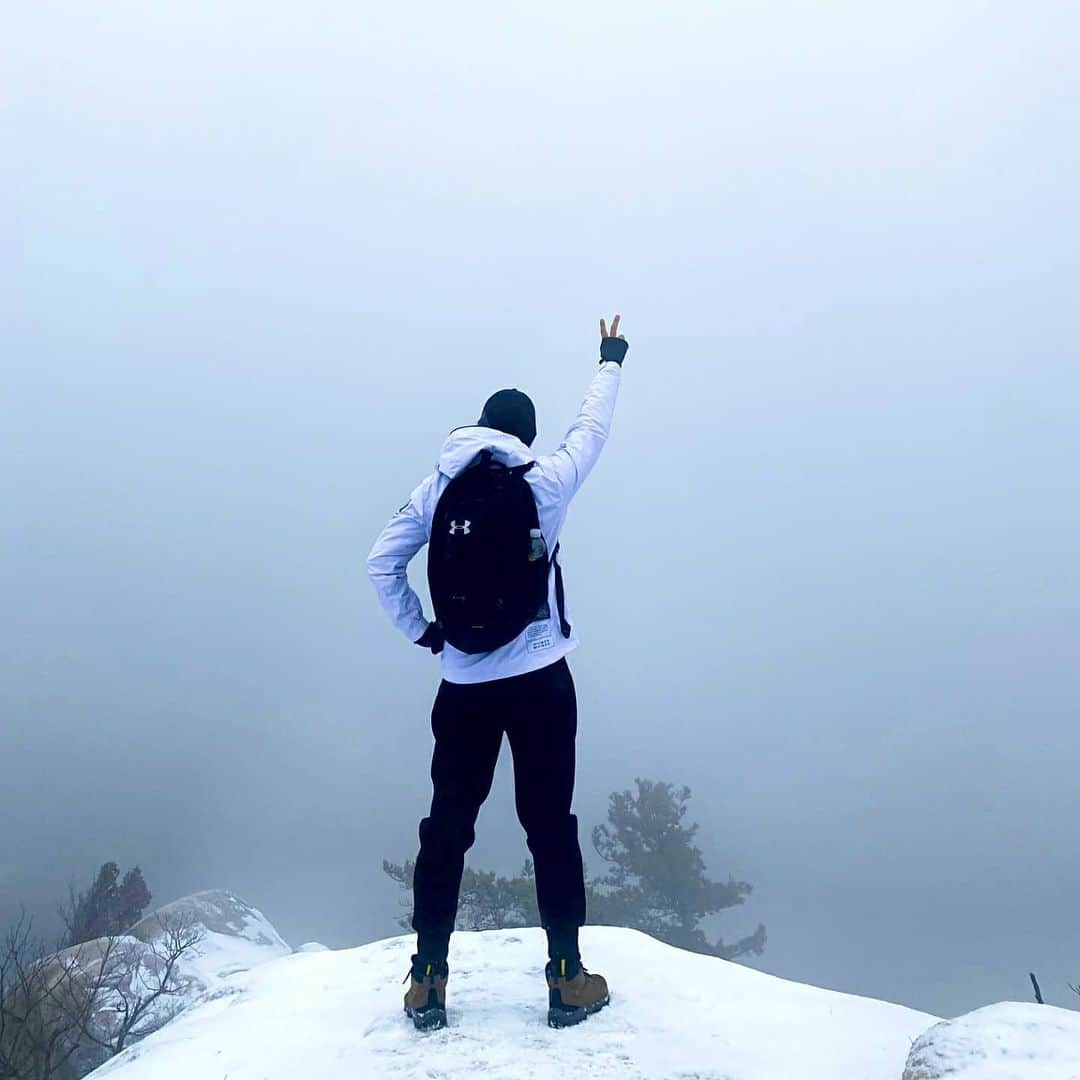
{"x":110,"y":906}
{"x":656,"y":881}
{"x":133,"y":897}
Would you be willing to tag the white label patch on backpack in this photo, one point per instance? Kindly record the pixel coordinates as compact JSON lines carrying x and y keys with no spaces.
{"x":539,"y":636}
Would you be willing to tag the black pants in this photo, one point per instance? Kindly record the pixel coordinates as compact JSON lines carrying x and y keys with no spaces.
{"x":538,"y":713}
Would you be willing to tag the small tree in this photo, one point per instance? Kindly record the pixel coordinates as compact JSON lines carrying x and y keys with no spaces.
{"x":42,"y":1010}
{"x":656,"y":880}
{"x":109,"y":907}
{"x":64,"y":1012}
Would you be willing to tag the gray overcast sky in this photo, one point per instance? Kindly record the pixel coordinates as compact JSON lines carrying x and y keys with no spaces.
{"x":259,"y":258}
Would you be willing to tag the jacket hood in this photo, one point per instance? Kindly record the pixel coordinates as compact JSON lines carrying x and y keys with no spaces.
{"x":464,"y":443}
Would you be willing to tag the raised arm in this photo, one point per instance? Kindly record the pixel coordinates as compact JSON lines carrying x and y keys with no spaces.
{"x":580,"y":449}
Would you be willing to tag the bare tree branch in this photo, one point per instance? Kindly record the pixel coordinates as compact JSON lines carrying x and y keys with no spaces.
{"x":133,"y":980}
{"x":38,"y":1024}
{"x":63,"y":1013}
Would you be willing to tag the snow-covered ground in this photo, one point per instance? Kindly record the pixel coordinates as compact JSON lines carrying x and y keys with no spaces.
{"x":337,"y":1014}
{"x":1007,"y":1041}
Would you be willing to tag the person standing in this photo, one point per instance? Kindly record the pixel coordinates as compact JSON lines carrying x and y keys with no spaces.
{"x":492,"y":514}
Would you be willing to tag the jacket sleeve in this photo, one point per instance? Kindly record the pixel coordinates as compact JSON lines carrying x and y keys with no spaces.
{"x":581,"y":447}
{"x":405,"y":534}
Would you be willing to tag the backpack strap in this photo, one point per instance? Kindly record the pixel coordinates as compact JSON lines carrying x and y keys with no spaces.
{"x":560,"y":589}
{"x":560,"y":593}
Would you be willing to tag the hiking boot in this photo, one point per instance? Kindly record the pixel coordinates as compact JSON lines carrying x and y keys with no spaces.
{"x":573,"y":993}
{"x":425,"y":1002}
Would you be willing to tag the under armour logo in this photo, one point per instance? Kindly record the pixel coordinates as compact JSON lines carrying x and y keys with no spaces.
{"x":455,"y":528}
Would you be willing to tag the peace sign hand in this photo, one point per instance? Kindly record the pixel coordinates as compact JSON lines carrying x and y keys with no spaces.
{"x":613,"y":346}
{"x":614,"y":328}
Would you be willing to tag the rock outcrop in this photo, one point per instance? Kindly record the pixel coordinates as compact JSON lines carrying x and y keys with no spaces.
{"x":235,"y":935}
{"x":87,"y":994}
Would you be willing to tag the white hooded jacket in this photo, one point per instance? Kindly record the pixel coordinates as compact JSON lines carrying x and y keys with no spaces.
{"x":554,"y":481}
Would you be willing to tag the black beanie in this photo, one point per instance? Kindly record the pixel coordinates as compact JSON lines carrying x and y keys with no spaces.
{"x":510,"y":411}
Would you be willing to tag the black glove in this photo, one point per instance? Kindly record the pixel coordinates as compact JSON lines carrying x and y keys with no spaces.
{"x":432,"y":638}
{"x":613,"y":348}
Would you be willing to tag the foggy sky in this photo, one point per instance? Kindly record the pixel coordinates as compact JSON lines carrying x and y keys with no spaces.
{"x":259,"y":259}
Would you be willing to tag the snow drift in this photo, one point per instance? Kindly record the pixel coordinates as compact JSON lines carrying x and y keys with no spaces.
{"x":1008,"y":1041}
{"x":329,"y":1014}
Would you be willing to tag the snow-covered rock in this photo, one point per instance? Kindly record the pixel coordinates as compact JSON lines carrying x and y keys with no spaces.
{"x":127,"y":971}
{"x":98,"y":976}
{"x":235,"y":936}
{"x":337,"y":1014}
{"x":1008,"y":1041}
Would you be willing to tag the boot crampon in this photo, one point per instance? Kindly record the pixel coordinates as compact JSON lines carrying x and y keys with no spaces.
{"x":574,"y":994}
{"x":425,"y":1001}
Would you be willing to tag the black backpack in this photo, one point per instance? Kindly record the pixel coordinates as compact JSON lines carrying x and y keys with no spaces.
{"x":486,"y":572}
